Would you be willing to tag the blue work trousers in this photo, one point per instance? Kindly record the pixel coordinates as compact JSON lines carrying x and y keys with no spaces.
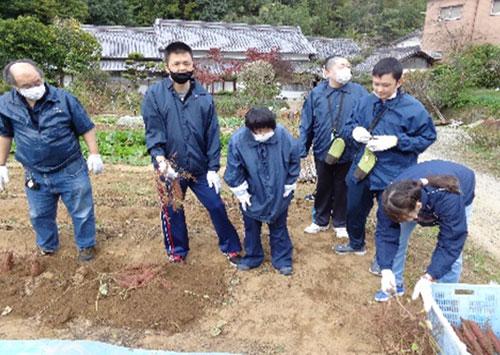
{"x":175,"y":233}
{"x":72,"y":185}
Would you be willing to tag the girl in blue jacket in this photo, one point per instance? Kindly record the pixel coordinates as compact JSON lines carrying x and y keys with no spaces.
{"x":263,"y":165}
{"x":433,"y":193}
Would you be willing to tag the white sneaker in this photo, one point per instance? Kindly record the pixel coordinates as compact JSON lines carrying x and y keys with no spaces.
{"x":341,"y":232}
{"x":314,"y":228}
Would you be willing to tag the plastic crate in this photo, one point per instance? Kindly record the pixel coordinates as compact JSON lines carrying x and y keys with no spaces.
{"x":480,"y":303}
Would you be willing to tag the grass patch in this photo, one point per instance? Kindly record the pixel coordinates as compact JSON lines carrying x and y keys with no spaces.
{"x":126,"y":147}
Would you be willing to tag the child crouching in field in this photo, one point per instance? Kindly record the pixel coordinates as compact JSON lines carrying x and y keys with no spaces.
{"x":263,"y":165}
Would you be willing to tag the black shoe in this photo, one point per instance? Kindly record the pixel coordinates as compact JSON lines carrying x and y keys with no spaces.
{"x":86,"y":254}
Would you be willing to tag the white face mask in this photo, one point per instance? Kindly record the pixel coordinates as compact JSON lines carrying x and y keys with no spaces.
{"x":34,"y":93}
{"x":342,"y":76}
{"x":262,"y":137}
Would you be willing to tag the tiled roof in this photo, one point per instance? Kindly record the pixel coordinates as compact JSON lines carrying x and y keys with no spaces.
{"x":342,"y":47}
{"x":119,"y":41}
{"x":396,"y":52}
{"x":410,"y":40}
{"x":233,"y":37}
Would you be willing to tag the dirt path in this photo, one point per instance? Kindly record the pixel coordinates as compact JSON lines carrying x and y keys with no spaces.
{"x":485,"y":227}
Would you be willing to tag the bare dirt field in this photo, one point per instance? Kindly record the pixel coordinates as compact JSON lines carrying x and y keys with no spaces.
{"x":326,"y":307}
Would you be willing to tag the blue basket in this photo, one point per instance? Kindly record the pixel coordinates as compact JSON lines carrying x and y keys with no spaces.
{"x":480,"y":303}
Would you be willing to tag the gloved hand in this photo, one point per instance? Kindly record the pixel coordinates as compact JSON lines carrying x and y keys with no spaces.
{"x":166,"y":169}
{"x":241,"y":193}
{"x":361,"y":135}
{"x":245,"y":200}
{"x":423,"y":289}
{"x":289,"y":189}
{"x":4,"y":177}
{"x":388,"y":283}
{"x":95,"y":164}
{"x":381,"y":143}
{"x":213,"y":180}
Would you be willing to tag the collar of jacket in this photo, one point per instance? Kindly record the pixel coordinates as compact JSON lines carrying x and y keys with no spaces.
{"x":50,"y":95}
{"x":195,"y":87}
{"x":253,"y":143}
{"x":330,"y":90}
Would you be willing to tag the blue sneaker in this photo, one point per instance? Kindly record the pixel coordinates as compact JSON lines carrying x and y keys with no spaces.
{"x":381,"y":296}
{"x":344,"y":249}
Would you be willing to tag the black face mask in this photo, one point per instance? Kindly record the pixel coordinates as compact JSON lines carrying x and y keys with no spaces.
{"x":181,"y":78}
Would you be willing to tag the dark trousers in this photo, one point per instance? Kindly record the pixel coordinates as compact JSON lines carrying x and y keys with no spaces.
{"x":331,"y":194}
{"x":359,"y":204}
{"x":174,"y":227}
{"x":279,"y":240}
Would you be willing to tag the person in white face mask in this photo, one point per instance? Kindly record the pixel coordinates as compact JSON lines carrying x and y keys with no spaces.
{"x":39,"y":115}
{"x":325,"y":114}
{"x":263,"y":165}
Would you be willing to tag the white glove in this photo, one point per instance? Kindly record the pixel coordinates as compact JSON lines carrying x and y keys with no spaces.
{"x":361,"y":135}
{"x":388,"y":283}
{"x":166,"y":169}
{"x":245,"y":200}
{"x":289,"y":189}
{"x":381,"y":143}
{"x":213,"y":180}
{"x":241,"y":193}
{"x":4,"y":177}
{"x":423,"y":289}
{"x":95,"y":164}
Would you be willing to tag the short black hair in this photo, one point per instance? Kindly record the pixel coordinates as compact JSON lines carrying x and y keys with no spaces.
{"x":388,"y":65}
{"x":177,"y":47}
{"x":7,"y":74}
{"x":258,"y":117}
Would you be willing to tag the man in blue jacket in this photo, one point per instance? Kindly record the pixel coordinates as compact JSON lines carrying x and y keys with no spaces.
{"x":263,"y":165}
{"x":395,"y":128}
{"x":182,"y":136}
{"x":433,"y":193}
{"x":45,"y":123}
{"x":327,"y":110}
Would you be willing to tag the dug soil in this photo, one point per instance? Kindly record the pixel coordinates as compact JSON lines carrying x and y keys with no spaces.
{"x":131,"y":295}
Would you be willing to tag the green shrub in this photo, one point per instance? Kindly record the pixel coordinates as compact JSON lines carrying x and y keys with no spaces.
{"x":480,"y":65}
{"x":446,"y":84}
{"x":259,"y":81}
{"x":99,"y":94}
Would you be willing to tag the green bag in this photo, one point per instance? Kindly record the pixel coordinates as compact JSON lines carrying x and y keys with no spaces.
{"x":368,"y":159}
{"x":338,"y":144}
{"x":335,"y":152}
{"x":365,"y":165}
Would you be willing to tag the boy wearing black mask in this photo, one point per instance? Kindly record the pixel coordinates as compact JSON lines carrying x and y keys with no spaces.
{"x":182,"y":136}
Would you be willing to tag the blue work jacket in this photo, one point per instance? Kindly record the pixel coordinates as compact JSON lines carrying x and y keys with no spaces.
{"x":319,"y":112}
{"x":404,"y":117}
{"x":46,"y":136}
{"x":186,"y":133}
{"x":439,"y":207}
{"x":267,"y":167}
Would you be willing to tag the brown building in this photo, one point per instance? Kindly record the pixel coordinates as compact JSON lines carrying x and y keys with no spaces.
{"x":450,"y":24}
